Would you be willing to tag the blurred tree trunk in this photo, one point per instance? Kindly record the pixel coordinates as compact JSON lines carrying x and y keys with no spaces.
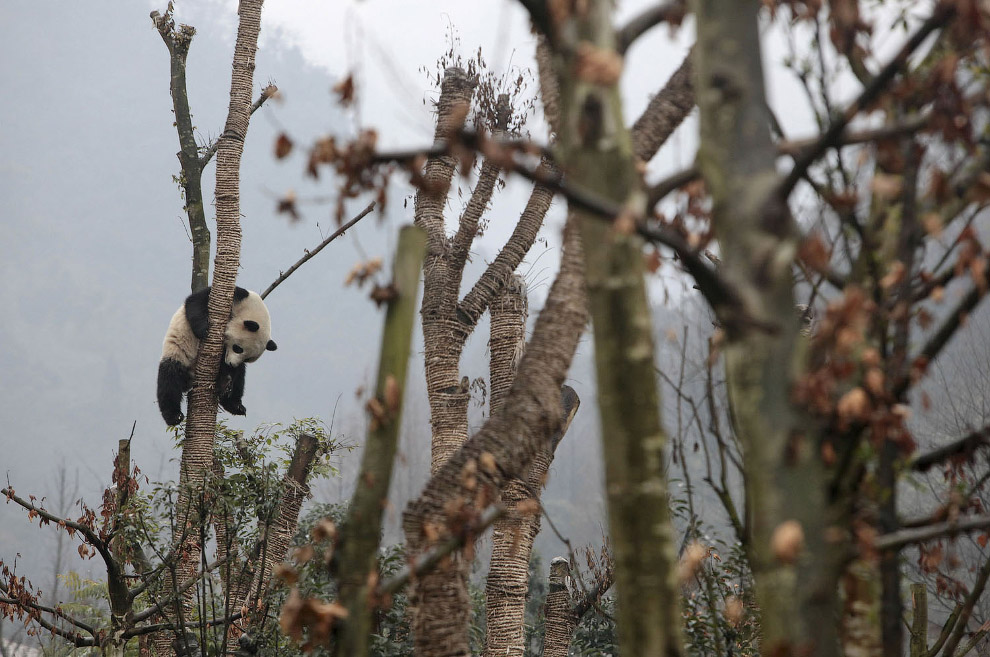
{"x":595,"y":149}
{"x":795,"y":583}
{"x":356,"y":558}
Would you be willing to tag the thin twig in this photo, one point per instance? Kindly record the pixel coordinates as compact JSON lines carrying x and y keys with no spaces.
{"x":941,"y":15}
{"x":309,"y":254}
{"x":426,"y":561}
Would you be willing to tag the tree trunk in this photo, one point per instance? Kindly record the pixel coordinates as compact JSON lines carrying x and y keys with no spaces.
{"x":596,"y":152}
{"x":357,"y":551}
{"x":473,"y":477}
{"x":795,"y":587}
{"x":514,"y":533}
{"x":197,"y":448}
{"x":560,"y":621}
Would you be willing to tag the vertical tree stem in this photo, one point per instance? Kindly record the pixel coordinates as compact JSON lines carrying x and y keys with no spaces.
{"x":795,"y":587}
{"x":596,"y":153}
{"x":358,"y":550}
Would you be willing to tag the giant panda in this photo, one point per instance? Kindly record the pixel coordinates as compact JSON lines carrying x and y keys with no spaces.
{"x":247,"y":337}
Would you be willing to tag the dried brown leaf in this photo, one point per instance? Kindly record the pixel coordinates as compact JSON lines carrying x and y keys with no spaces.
{"x":787,"y":541}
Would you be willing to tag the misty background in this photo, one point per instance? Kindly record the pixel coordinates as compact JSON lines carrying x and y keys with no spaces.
{"x":95,"y":257}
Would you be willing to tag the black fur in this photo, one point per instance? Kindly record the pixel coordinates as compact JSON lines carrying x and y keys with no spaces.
{"x":198,"y":312}
{"x":230,"y":388}
{"x":173,"y":381}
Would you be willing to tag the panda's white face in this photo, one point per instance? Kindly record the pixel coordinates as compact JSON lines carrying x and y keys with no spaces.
{"x":249,"y":331}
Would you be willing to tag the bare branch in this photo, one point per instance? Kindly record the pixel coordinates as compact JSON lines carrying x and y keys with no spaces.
{"x":88,"y":533}
{"x":54,"y":611}
{"x":795,"y":147}
{"x":309,"y":254}
{"x":964,"y":446}
{"x":150,"y":629}
{"x":647,"y":20}
{"x":211,"y":150}
{"x":592,"y":597}
{"x":966,"y":610}
{"x":427,"y":561}
{"x":659,"y":191}
{"x":490,"y":283}
{"x":664,"y":113}
{"x":189,"y":583}
{"x":933,"y":347}
{"x":943,"y":12}
{"x":899,"y":539}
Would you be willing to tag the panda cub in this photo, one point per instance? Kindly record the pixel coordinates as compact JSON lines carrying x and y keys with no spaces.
{"x":247,"y":337}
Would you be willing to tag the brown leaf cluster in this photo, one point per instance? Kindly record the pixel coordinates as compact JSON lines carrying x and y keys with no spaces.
{"x":345,"y":90}
{"x":309,"y":617}
{"x":362,"y":271}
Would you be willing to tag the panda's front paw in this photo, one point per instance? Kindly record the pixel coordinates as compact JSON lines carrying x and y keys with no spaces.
{"x":235,"y":408}
{"x":172,"y":419}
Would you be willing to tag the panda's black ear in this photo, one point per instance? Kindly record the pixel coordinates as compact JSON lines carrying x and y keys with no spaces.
{"x":251,"y":325}
{"x":271,"y":346}
{"x":240,"y":294}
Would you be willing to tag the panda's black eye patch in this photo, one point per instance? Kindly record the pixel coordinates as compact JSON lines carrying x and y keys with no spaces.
{"x":251,"y":325}
{"x":238,"y":349}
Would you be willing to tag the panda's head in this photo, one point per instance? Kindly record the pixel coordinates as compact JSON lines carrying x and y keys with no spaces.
{"x":249,"y":331}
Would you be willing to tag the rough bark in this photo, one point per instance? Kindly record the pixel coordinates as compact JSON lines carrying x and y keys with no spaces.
{"x":596,"y":150}
{"x":560,"y":621}
{"x":197,"y":448}
{"x":502,"y":449}
{"x":357,"y":551}
{"x":442,"y":335}
{"x":446,"y":322}
{"x":514,"y":533}
{"x":758,"y":241}
{"x":665,"y":112}
{"x":507,"y":340}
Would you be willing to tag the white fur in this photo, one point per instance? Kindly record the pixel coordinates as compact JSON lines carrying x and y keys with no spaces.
{"x":180,"y":344}
{"x":253,"y":308}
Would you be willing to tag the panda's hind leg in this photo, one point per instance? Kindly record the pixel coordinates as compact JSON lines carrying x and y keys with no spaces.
{"x":230,"y":388}
{"x":173,"y":381}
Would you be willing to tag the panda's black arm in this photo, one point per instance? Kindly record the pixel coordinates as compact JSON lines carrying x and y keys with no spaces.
{"x":198,"y":311}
